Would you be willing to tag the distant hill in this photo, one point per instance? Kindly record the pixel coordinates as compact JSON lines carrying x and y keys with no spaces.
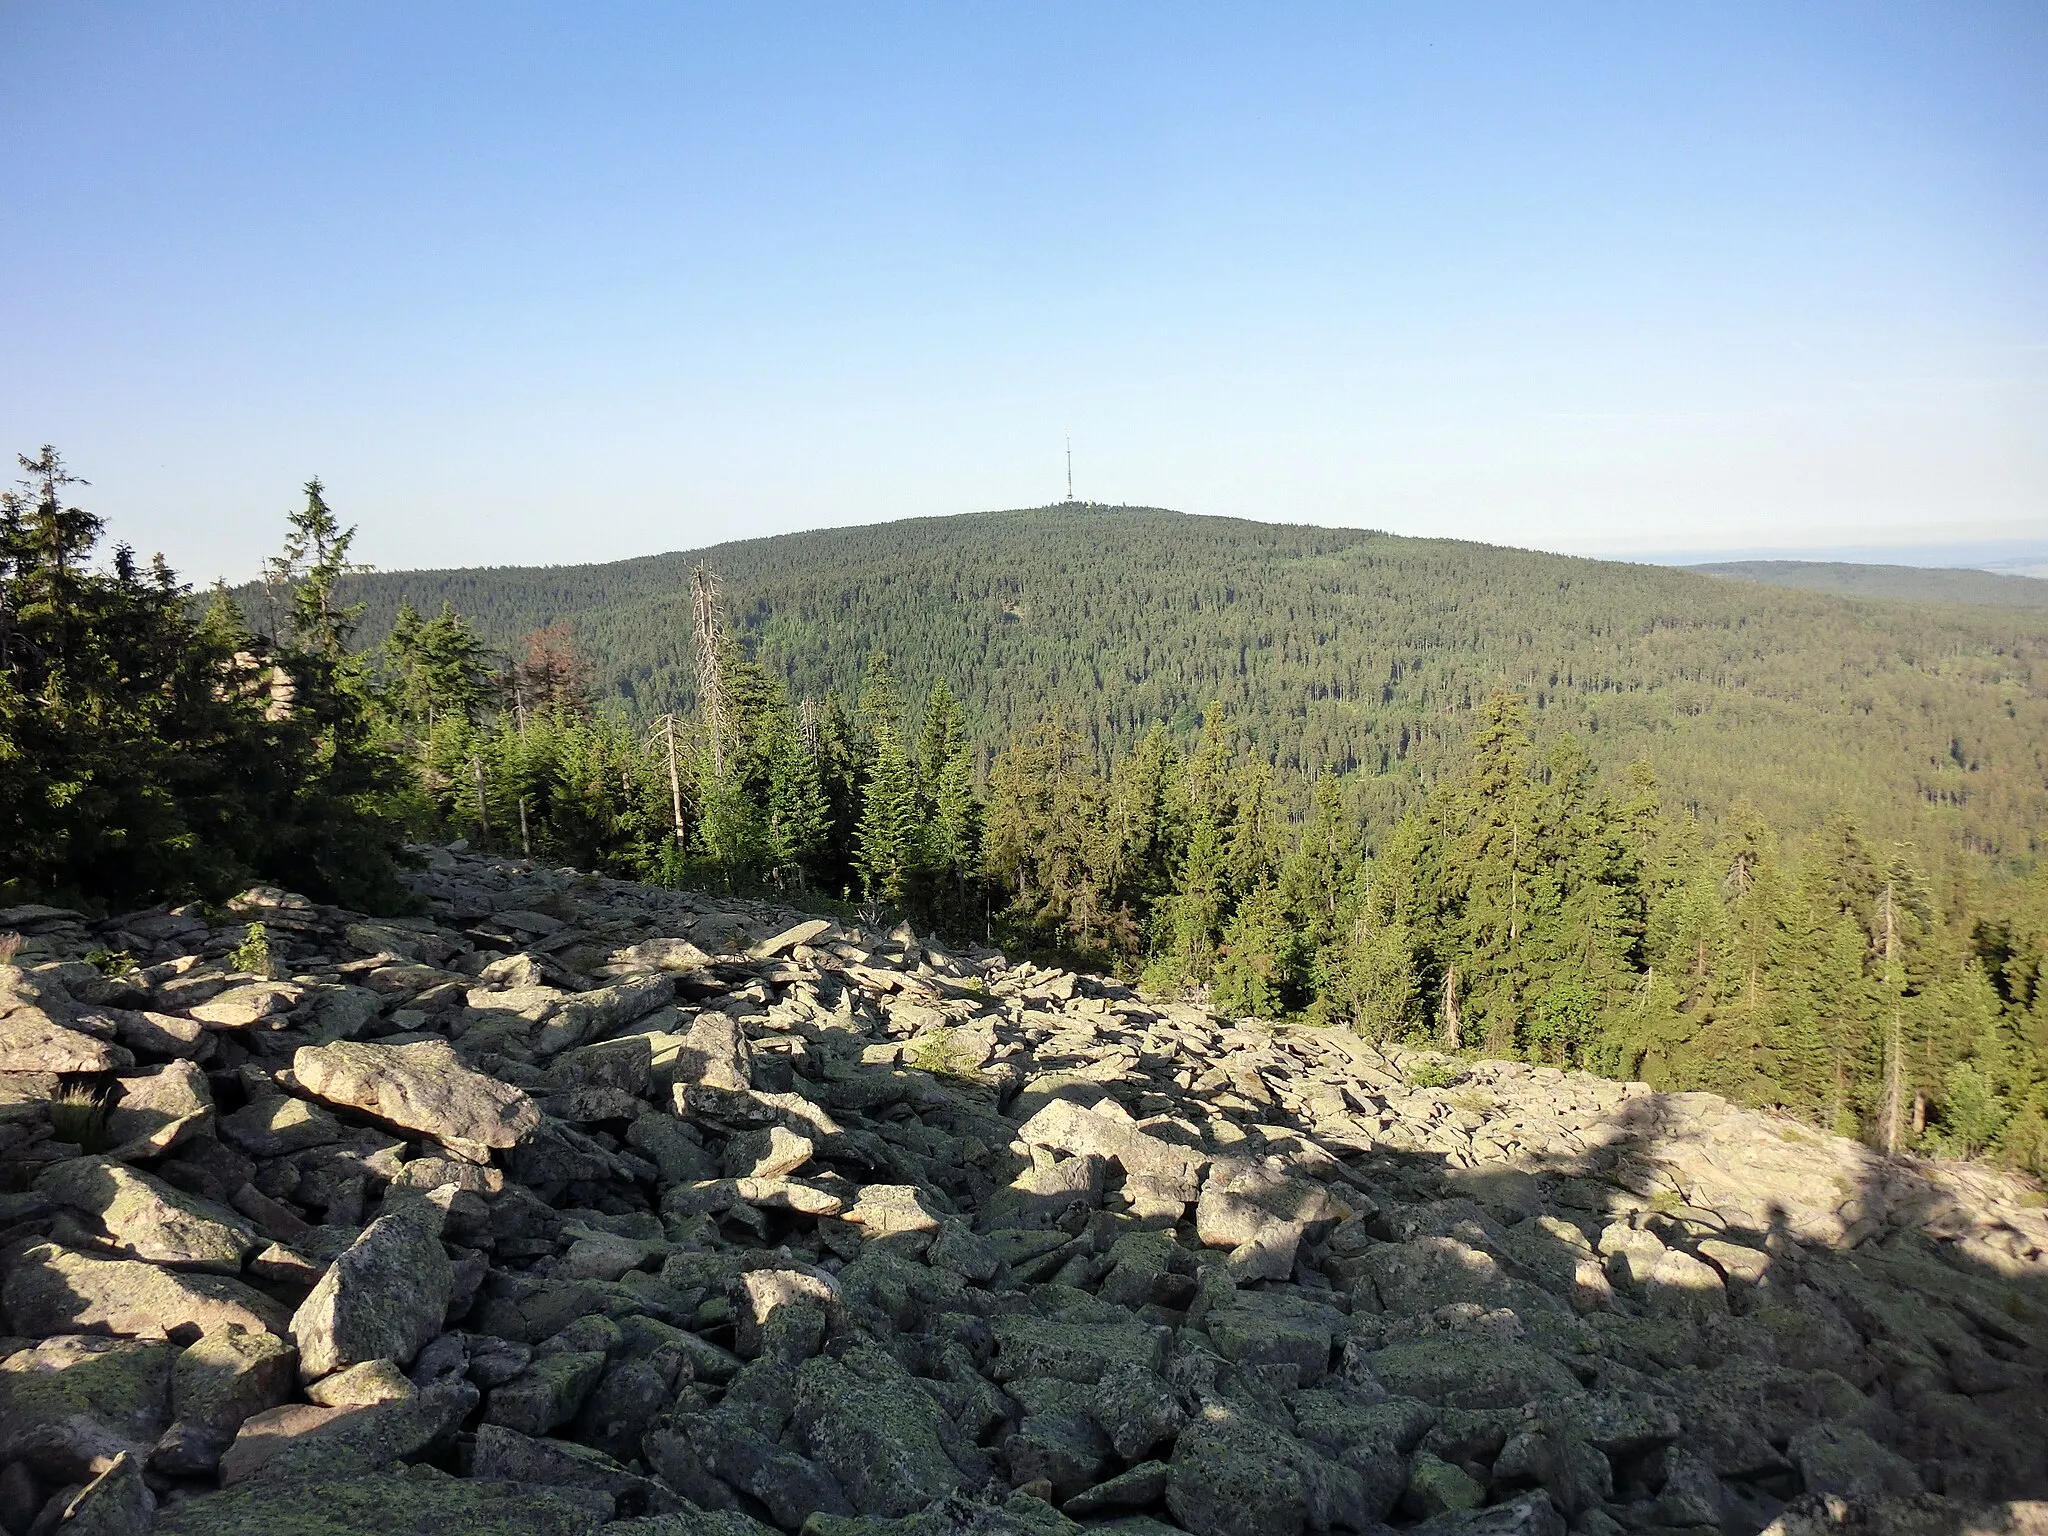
{"x":1914,"y":584}
{"x":1353,"y":648}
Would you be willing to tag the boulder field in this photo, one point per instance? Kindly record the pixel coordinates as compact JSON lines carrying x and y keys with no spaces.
{"x":579,"y":1206}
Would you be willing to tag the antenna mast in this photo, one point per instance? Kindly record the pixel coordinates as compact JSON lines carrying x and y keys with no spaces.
{"x":1070,"y":469}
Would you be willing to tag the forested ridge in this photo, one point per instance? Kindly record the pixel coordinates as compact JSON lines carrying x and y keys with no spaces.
{"x":1502,"y":884}
{"x":1361,"y":651}
{"x":1910,"y":583}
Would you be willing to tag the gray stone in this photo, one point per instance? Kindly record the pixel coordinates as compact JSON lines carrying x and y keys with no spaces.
{"x":548,"y":1394}
{"x":1136,"y":1409}
{"x":1841,"y":1459}
{"x":421,"y":1087}
{"x":54,"y":1290}
{"x":116,"y":1503}
{"x":145,"y":1218}
{"x":301,"y":1441}
{"x":384,"y":1298}
{"x":881,"y":1437}
{"x":228,"y":1374}
{"x":278,"y":1125}
{"x":1139,"y":1487}
{"x":419,"y":1501}
{"x":70,"y":1405}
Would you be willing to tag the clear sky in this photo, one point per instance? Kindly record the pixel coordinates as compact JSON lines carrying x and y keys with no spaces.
{"x":576,"y":282}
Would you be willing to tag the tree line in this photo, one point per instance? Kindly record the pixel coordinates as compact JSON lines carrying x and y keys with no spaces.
{"x":1363,"y":651}
{"x":1526,"y":902}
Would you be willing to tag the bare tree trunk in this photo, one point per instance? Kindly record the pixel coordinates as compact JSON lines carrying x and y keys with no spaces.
{"x":708,"y":631}
{"x":1454,"y":1033}
{"x":525,"y":842}
{"x":675,"y":783}
{"x":483,"y":809}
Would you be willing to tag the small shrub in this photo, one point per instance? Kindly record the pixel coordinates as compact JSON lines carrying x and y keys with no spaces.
{"x":78,"y":1114}
{"x":10,"y":946}
{"x":111,"y":963}
{"x":253,"y":953}
{"x":1432,"y":1074}
{"x":935,"y":1054}
{"x":1476,"y":1100}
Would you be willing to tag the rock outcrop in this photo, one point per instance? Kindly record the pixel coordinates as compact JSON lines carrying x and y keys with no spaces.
{"x":577,"y":1205}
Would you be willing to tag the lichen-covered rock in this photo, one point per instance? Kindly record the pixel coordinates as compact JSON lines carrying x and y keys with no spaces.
{"x":145,"y":1218}
{"x":1472,"y":1370}
{"x":230,"y":1373}
{"x":279,"y":1124}
{"x":70,"y":1405}
{"x":301,"y":1440}
{"x":1230,"y":1476}
{"x":362,"y":1385}
{"x":1436,"y":1487}
{"x":1264,"y":1329}
{"x":1077,"y":1352}
{"x":116,"y":1503}
{"x":1136,"y":1409}
{"x":383,"y":1298}
{"x":421,"y":1087}
{"x":548,"y":1393}
{"x":1841,"y":1459}
{"x":32,"y":1041}
{"x":418,"y":1501}
{"x":52,"y":1289}
{"x":881,"y":1437}
{"x":1157,"y":1265}
{"x":505,"y":1455}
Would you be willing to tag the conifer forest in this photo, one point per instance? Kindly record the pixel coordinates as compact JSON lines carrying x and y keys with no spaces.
{"x":1776,"y":845}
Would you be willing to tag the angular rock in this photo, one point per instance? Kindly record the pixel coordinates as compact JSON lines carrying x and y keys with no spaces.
{"x":32,"y":1041}
{"x":230,"y":1373}
{"x":384,"y":1298}
{"x":70,"y":1405}
{"x":279,"y":1125}
{"x":145,"y":1218}
{"x":363,"y":1385}
{"x":301,"y":1441}
{"x":421,"y":1087}
{"x":865,"y":1421}
{"x":548,"y":1394}
{"x":54,"y":1290}
{"x":116,"y":1503}
{"x":419,"y":1501}
{"x":246,"y":1006}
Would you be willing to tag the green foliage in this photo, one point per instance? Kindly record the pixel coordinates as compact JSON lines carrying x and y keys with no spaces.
{"x":147,"y":752}
{"x":1432,"y":1074}
{"x":1360,"y":650}
{"x":253,"y":953}
{"x":111,"y":963}
{"x":78,"y":1114}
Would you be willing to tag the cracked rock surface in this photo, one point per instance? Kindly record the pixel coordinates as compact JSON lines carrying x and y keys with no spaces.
{"x":576,"y":1206}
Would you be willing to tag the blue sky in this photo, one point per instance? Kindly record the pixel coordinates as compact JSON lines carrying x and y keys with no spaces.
{"x":579,"y":282}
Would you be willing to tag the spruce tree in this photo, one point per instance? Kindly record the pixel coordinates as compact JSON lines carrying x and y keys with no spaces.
{"x":888,"y":848}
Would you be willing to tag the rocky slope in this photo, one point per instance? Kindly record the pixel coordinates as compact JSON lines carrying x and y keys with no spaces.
{"x":580,"y":1205}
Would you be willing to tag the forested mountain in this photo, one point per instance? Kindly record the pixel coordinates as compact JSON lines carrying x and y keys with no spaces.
{"x":1908,"y":583}
{"x":1353,"y":649}
{"x":1531,"y":902}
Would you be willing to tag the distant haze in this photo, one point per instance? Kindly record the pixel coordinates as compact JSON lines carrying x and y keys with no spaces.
{"x":541,"y":284}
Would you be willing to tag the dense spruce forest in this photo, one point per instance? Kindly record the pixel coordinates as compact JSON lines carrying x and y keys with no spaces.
{"x":1909,"y":583}
{"x":1363,"y":652}
{"x":1536,"y":888}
